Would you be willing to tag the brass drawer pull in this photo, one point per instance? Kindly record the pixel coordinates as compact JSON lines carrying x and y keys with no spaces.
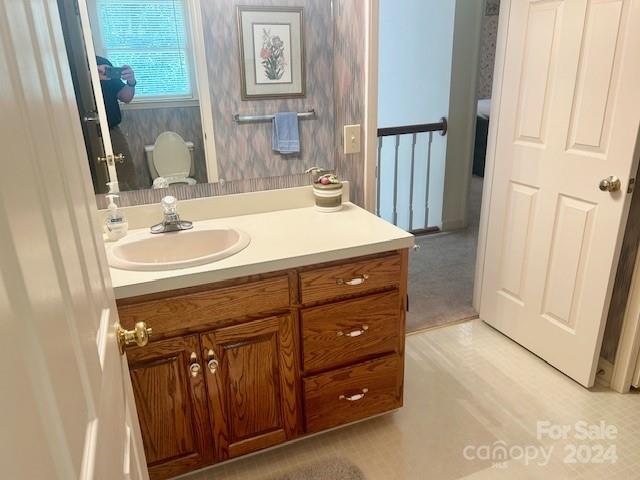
{"x":194,"y":368}
{"x":354,"y":333}
{"x":212,"y":363}
{"x":357,"y":280}
{"x":355,"y":397}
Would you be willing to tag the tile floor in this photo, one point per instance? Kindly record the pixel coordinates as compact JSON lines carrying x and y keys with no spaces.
{"x":467,"y":385}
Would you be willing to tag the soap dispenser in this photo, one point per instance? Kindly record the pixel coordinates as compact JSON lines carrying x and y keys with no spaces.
{"x":116,"y":226}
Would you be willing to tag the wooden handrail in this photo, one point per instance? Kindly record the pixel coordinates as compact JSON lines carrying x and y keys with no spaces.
{"x":440,"y":126}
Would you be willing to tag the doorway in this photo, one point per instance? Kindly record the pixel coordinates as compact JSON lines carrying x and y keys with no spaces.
{"x":434,"y":96}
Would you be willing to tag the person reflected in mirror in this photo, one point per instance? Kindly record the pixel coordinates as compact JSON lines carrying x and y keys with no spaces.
{"x":119,"y":85}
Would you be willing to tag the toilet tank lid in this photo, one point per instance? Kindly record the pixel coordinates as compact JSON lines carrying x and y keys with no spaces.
{"x":171,"y":156}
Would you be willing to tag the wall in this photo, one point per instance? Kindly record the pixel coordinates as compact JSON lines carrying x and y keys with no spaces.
{"x":143,"y":125}
{"x":244,"y":150}
{"x":488,"y":48}
{"x":462,"y":113}
{"x":415,"y":47}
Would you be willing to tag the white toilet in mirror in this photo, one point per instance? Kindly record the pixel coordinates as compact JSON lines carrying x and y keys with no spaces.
{"x":171,"y":158}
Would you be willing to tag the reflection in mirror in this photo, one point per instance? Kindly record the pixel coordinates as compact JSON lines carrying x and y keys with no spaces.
{"x":186,"y":90}
{"x":146,"y":64}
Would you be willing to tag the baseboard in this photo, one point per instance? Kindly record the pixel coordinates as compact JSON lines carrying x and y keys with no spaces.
{"x":453,"y":225}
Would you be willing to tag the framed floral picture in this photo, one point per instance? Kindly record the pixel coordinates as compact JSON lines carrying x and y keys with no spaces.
{"x":271,"y":52}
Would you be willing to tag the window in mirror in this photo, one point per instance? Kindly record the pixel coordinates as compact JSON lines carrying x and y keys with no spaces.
{"x":153,"y":38}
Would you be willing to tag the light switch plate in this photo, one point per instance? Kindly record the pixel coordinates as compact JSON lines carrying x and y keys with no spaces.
{"x":352,"y":137}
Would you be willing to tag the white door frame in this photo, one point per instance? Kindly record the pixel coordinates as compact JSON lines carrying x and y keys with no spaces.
{"x":372,"y":15}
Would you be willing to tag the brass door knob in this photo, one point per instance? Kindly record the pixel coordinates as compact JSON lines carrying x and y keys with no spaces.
{"x":139,"y":336}
{"x":609,"y":184}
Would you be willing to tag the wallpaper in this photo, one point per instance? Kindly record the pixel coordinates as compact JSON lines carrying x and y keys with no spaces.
{"x":143,"y":125}
{"x":244,"y":150}
{"x":488,"y":48}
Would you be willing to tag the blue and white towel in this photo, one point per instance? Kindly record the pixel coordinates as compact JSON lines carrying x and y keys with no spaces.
{"x":286,"y":135}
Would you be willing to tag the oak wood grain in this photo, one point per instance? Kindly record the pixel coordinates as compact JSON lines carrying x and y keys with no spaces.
{"x":252,"y":396}
{"x":257,"y":442}
{"x":404,"y":297}
{"x":253,"y":388}
{"x":323,"y":284}
{"x":263,"y":330}
{"x":324,"y":407}
{"x":189,"y":312}
{"x":171,"y":406}
{"x":290,"y":383}
{"x":326,"y":329}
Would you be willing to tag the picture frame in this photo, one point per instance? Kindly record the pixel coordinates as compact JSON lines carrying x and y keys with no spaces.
{"x":271,"y":46}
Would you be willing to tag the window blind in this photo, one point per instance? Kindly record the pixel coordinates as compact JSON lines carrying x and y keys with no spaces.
{"x":151,"y":37}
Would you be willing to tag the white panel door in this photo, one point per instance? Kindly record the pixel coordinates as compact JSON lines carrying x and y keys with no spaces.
{"x":569,"y":116}
{"x":68,"y":410}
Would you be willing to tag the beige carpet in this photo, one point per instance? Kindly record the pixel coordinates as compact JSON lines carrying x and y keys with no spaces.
{"x":441,"y":272}
{"x":330,"y":469}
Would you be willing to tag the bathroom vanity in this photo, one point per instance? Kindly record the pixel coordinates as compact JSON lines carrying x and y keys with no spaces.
{"x":244,"y":355}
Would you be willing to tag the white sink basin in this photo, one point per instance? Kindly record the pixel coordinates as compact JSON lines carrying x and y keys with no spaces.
{"x":169,"y":251}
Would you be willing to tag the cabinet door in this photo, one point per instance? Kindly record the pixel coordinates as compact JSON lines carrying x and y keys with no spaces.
{"x":171,"y":402}
{"x":252,"y":379}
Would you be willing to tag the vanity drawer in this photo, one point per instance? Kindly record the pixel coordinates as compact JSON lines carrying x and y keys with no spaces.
{"x":360,"y":276}
{"x":178,"y":312}
{"x":353,"y":393}
{"x":352,"y":330}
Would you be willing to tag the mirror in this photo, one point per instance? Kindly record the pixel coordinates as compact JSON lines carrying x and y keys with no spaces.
{"x":185,"y":91}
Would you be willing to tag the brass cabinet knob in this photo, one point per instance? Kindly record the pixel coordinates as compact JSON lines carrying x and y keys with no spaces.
{"x":610,"y":184}
{"x":212,"y":363}
{"x":194,"y":367}
{"x":139,"y":336}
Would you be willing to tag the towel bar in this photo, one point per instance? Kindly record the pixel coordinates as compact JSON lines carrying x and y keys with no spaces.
{"x":310,"y":114}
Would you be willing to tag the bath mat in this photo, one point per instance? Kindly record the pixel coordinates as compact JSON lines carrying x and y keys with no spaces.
{"x":329,"y":469}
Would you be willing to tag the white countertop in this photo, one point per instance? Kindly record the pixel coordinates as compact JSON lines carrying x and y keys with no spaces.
{"x":279,"y":240}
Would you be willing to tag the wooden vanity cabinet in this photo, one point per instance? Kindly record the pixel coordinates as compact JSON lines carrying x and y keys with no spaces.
{"x":247,"y":364}
{"x":171,"y":402}
{"x":252,"y":383}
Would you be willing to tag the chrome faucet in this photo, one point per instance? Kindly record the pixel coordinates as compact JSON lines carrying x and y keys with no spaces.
{"x":171,"y":221}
